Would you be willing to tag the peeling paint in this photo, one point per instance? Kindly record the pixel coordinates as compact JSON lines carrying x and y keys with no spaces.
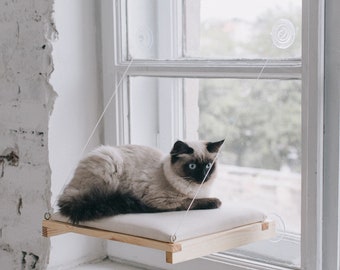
{"x":2,"y":173}
{"x":7,"y":248}
{"x":29,"y":261}
{"x":19,"y":207}
{"x":11,"y":157}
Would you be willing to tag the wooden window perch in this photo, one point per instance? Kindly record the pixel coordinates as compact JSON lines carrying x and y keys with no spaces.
{"x":202,"y":232}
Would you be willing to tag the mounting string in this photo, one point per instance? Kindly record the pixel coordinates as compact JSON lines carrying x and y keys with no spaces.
{"x":47,"y":215}
{"x":174,"y":235}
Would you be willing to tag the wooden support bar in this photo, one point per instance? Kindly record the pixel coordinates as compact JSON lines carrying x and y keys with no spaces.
{"x":52,"y":228}
{"x":205,"y":245}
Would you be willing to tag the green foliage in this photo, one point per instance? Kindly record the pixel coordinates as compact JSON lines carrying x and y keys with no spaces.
{"x":261,"y":120}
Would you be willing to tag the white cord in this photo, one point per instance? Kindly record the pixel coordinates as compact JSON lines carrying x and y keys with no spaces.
{"x":106,"y":107}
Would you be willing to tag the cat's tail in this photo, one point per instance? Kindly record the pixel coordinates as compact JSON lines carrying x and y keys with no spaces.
{"x":97,"y":203}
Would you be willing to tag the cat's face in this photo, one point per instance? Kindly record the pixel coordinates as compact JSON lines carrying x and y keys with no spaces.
{"x":193,"y":161}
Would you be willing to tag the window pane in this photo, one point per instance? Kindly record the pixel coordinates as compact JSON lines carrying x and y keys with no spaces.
{"x":260,"y":165}
{"x":143,"y":116}
{"x":243,"y":29}
{"x":155,"y":111}
{"x":217,"y":29}
{"x":261,"y":121}
{"x":152,"y":29}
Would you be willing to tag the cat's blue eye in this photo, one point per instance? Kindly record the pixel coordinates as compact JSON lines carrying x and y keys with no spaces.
{"x":192,"y":166}
{"x":208,"y":165}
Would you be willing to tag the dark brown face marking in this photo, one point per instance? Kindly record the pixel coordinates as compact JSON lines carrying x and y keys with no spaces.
{"x":213,"y":147}
{"x":197,"y":170}
{"x":178,"y":149}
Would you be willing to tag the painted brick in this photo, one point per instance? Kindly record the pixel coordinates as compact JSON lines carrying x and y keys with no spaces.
{"x":26,"y":102}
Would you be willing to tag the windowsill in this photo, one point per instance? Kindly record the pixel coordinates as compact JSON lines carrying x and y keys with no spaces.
{"x":105,"y":264}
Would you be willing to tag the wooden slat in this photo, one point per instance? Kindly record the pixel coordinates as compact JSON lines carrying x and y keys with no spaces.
{"x":205,"y":245}
{"x":52,"y":228}
{"x":48,"y":231}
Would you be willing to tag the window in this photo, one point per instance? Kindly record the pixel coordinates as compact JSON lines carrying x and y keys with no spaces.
{"x":214,"y":69}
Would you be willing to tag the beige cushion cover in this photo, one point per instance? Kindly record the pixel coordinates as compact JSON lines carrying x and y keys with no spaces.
{"x":161,"y":226}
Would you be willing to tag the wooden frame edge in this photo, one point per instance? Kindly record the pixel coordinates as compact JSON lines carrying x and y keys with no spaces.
{"x":52,"y":227}
{"x":175,"y":252}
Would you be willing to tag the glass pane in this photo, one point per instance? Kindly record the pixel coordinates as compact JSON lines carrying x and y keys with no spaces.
{"x":155,"y":111}
{"x":152,"y":28}
{"x":216,"y":29}
{"x":260,"y":165}
{"x":239,"y":29}
{"x":261,"y":121}
{"x":143,"y":116}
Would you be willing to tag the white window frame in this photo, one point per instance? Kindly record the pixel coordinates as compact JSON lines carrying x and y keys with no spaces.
{"x":320,"y":231}
{"x":312,"y":133}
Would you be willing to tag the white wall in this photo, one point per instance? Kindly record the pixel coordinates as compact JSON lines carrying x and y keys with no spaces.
{"x":76,"y":81}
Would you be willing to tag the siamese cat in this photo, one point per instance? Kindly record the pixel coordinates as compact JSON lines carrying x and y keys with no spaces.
{"x":139,"y":179}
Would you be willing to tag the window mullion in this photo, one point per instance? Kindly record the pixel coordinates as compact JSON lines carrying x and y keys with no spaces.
{"x":331,"y":192}
{"x":312,"y":134}
{"x":215,"y":69}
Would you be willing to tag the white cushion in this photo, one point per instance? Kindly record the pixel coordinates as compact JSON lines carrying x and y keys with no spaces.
{"x":161,"y":226}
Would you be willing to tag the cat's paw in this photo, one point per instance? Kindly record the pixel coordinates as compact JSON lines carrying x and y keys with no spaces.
{"x":208,"y":203}
{"x":213,"y":203}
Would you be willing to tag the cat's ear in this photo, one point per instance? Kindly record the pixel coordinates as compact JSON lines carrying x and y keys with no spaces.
{"x":213,"y":147}
{"x":181,"y":148}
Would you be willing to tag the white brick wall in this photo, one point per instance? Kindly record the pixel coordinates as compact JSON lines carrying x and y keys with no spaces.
{"x":26,"y":100}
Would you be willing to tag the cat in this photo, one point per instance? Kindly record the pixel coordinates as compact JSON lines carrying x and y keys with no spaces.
{"x":139,"y":179}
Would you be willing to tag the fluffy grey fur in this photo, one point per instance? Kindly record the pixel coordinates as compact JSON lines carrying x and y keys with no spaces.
{"x":133,"y":178}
